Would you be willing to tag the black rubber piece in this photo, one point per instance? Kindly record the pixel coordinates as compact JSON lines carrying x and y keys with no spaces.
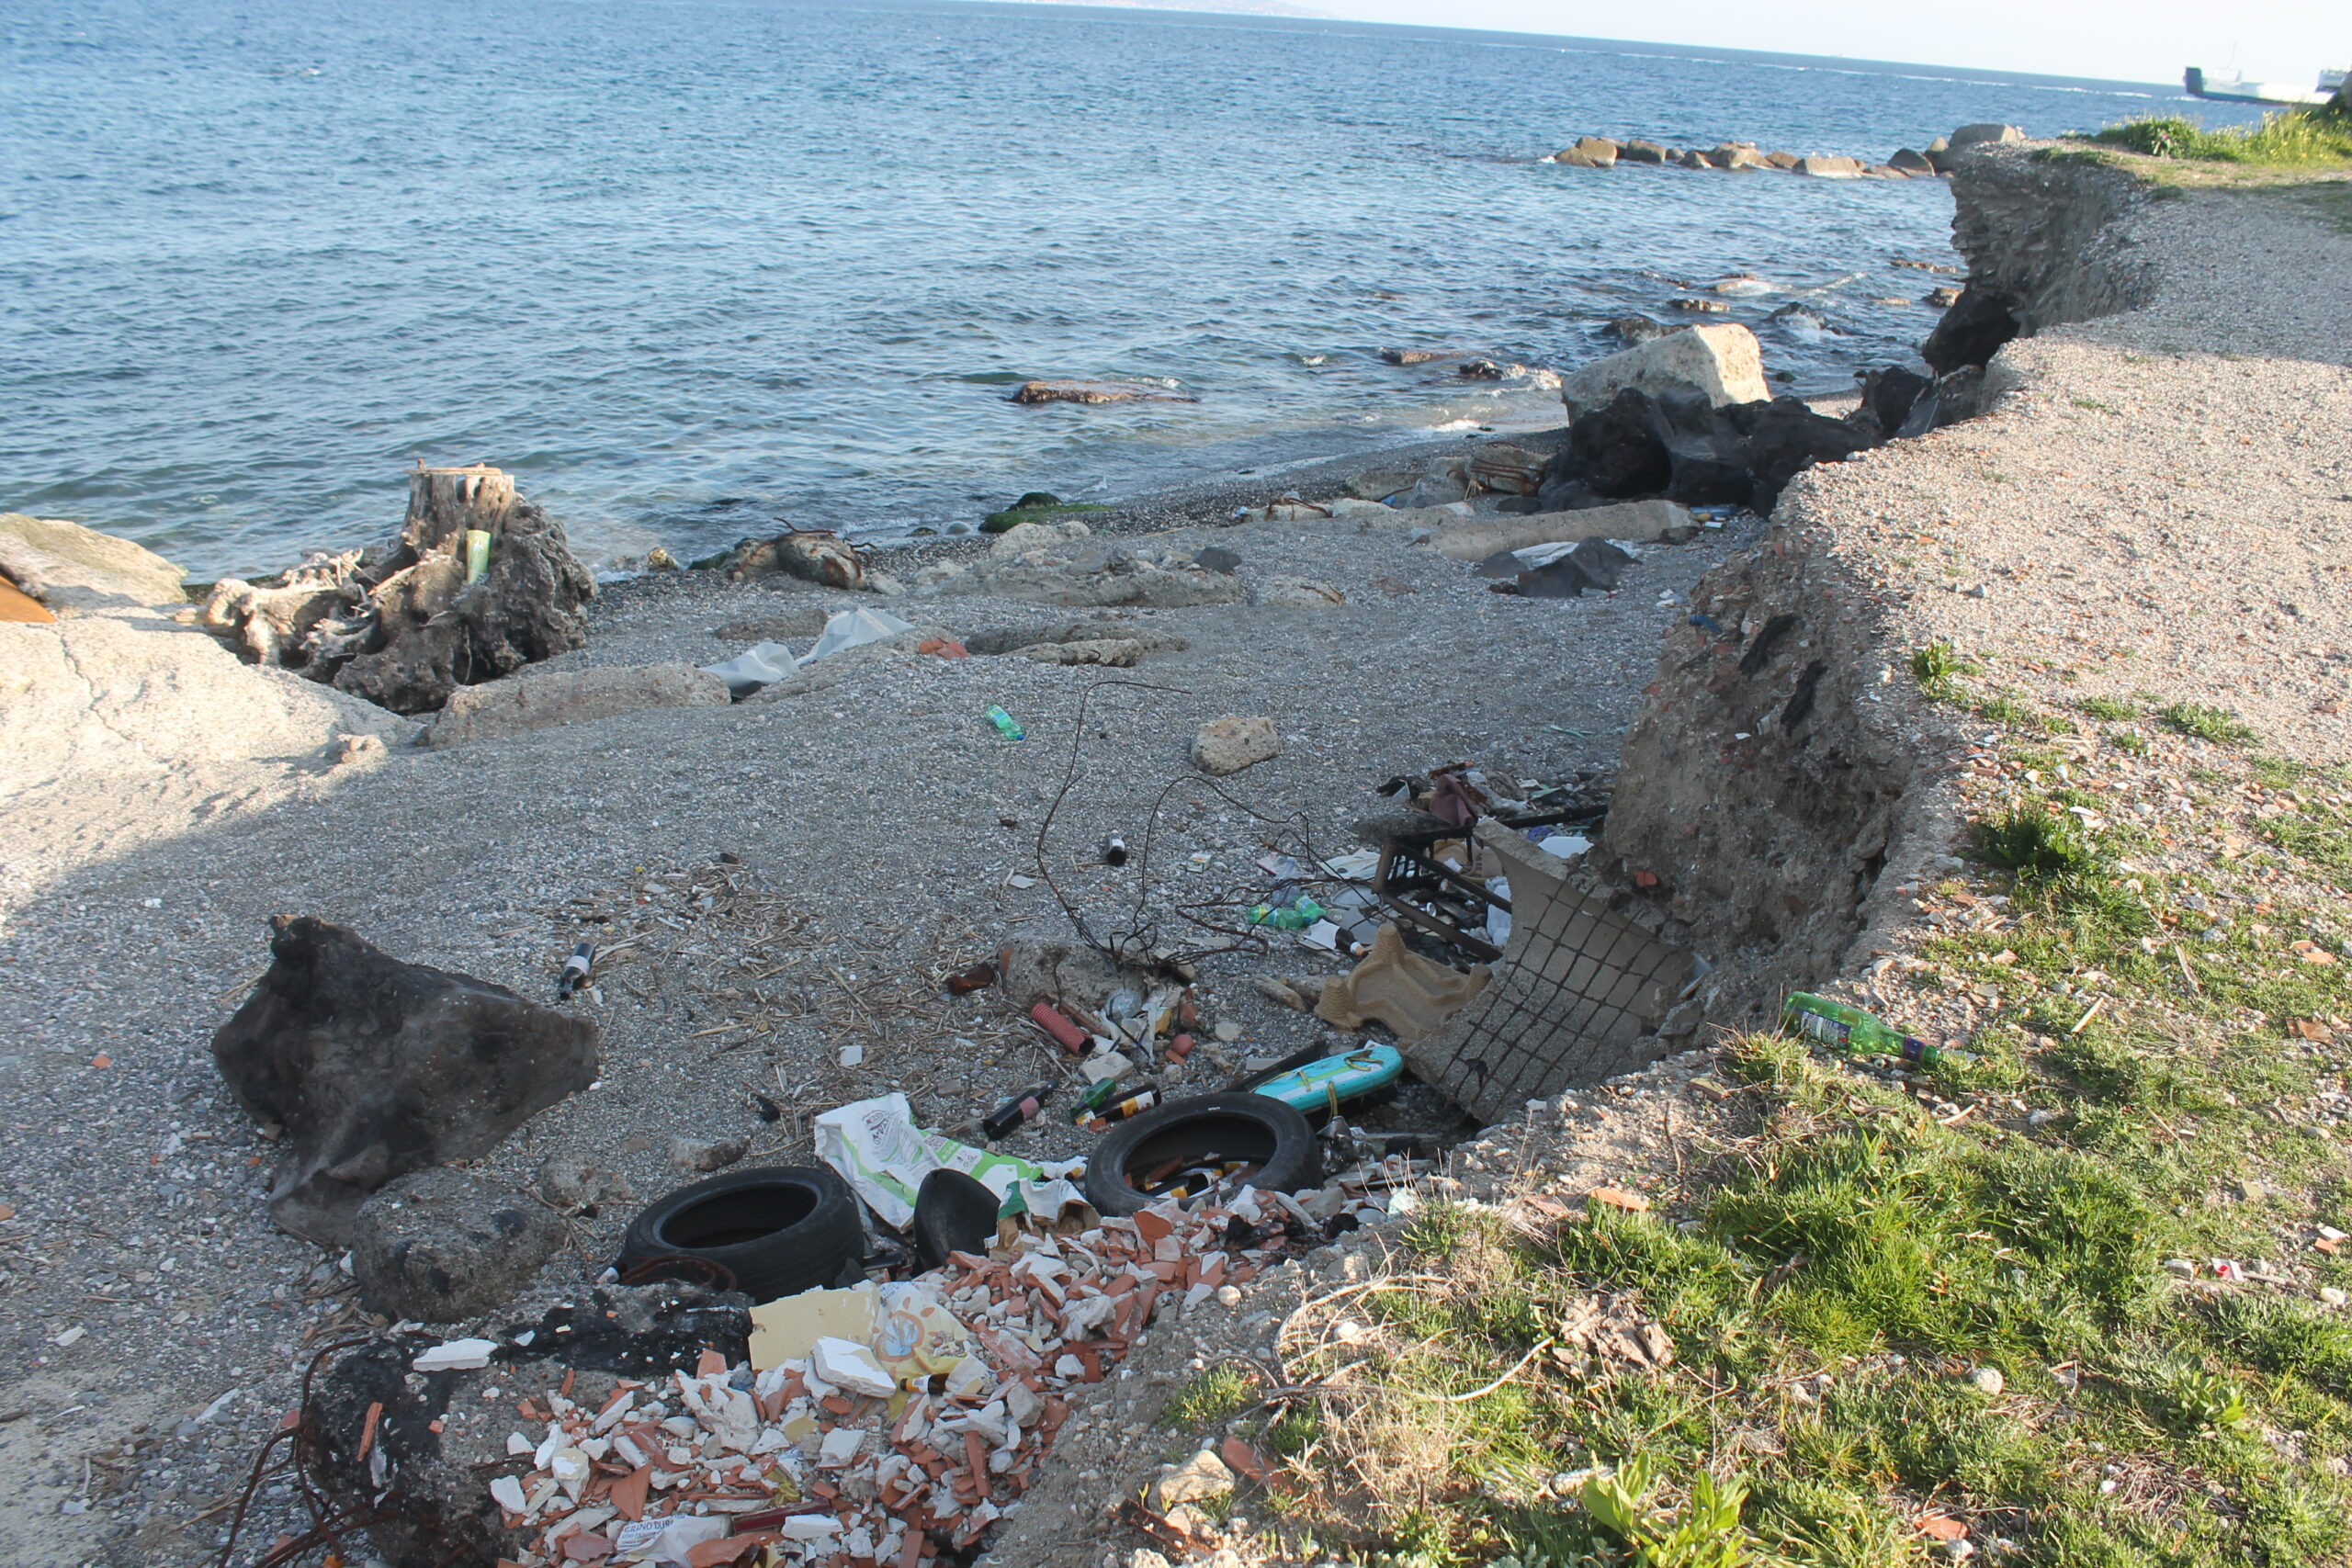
{"x":779,"y":1230}
{"x":1272,"y":1136}
{"x":954,"y":1212}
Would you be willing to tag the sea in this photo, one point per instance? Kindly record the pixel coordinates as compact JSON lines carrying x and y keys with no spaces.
{"x":690,"y":268}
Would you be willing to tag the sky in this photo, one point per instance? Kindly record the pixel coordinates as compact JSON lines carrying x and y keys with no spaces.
{"x":2123,"y":40}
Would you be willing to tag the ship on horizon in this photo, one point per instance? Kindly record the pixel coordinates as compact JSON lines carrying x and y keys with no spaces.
{"x":2230,"y":87}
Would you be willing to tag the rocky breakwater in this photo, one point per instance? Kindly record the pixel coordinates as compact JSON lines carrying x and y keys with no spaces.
{"x":1939,"y":158}
{"x":1784,"y":789}
{"x":1689,"y":416}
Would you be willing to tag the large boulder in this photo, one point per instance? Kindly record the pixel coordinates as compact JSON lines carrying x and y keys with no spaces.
{"x":1987,"y":132}
{"x":1616,"y":449}
{"x":1971,"y":331}
{"x":1830,"y":167}
{"x":1889,"y":392}
{"x":1785,"y":438}
{"x":375,"y":1067}
{"x":441,"y":1245}
{"x":68,"y":568}
{"x":570,"y":696}
{"x":1723,"y":362}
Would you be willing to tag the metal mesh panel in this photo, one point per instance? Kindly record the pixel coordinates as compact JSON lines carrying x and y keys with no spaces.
{"x":1576,"y":997}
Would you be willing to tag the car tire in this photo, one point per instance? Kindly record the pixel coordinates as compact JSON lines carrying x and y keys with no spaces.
{"x":1268,"y":1134}
{"x":780,"y":1230}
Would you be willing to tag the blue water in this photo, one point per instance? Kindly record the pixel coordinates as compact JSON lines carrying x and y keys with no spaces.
{"x":687,"y":267}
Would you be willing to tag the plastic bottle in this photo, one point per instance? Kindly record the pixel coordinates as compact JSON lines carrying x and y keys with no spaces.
{"x":1295,"y":918}
{"x":1004,"y":724}
{"x":1843,"y":1027}
{"x":1020,"y":1108}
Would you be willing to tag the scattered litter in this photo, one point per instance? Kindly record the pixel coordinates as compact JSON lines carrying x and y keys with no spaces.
{"x":884,"y":1156}
{"x":1843,"y":1027}
{"x":1396,"y":986}
{"x":979,"y":977}
{"x":853,"y":628}
{"x":1334,"y":1080}
{"x":762,"y":665}
{"x":575,"y":970}
{"x":1022,"y":1108}
{"x":886,"y":1424}
{"x":1066,"y":1035}
{"x":455,"y":1356}
{"x":853,"y":1056}
{"x":1006,"y":728}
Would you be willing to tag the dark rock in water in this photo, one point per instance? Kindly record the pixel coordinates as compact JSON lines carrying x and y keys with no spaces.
{"x":1487,"y":370}
{"x":1786,"y":438}
{"x":1943,"y":297}
{"x":1704,"y":307}
{"x":393,"y":1445}
{"x":1640,"y":153}
{"x":1640,"y":330}
{"x":376,"y":1068}
{"x":1910,"y":163}
{"x":1889,"y":392}
{"x":1416,"y":356}
{"x":1615,"y":448}
{"x":1589,"y":153}
{"x":441,"y":1245}
{"x":1094,"y":392}
{"x":1802,"y":320}
{"x":1971,"y":331}
{"x":1036,"y":498}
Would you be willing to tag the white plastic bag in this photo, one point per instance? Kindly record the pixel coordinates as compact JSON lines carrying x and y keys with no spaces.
{"x":855,"y":629}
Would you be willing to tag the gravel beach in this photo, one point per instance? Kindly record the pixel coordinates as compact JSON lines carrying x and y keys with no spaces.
{"x":2161,"y":511}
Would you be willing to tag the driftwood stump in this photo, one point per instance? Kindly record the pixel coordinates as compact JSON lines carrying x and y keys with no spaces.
{"x":444,"y":502}
{"x":400,"y":624}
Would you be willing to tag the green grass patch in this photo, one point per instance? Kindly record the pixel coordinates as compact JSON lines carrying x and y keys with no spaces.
{"x":2109,"y":708}
{"x":2037,"y":843}
{"x":2219,"y":726}
{"x":1218,"y":1395}
{"x":2291,"y":139}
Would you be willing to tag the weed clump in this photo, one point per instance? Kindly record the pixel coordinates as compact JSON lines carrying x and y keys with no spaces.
{"x":2039,"y":845}
{"x":2195,"y":720}
{"x":2294,"y":139}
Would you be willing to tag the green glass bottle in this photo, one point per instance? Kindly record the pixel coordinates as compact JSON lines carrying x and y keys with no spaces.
{"x":1843,"y":1027}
